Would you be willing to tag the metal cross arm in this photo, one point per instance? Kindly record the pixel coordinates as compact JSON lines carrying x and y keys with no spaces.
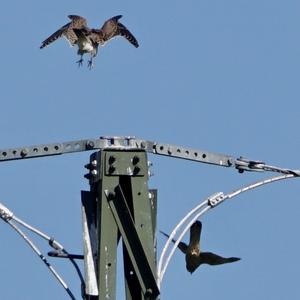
{"x":131,"y":143}
{"x":193,"y":154}
{"x":48,"y":149}
{"x":71,"y":147}
{"x":122,"y":143}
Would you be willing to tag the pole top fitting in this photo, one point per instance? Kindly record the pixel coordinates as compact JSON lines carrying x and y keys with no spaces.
{"x":118,"y":141}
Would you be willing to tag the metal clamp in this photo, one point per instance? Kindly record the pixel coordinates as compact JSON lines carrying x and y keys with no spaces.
{"x":216,"y":199}
{"x":244,"y":164}
{"x":5,"y":213}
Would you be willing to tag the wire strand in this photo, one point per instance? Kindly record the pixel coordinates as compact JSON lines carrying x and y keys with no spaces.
{"x":54,"y":244}
{"x":42,"y":257}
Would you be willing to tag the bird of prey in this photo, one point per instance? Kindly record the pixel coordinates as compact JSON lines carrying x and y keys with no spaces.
{"x":78,"y":33}
{"x":193,"y":255}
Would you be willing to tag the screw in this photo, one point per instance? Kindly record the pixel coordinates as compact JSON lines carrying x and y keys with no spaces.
{"x":87,"y":166}
{"x":149,"y":294}
{"x":87,"y":176}
{"x":111,"y":159}
{"x":24,"y":152}
{"x":230,"y":162}
{"x":111,"y":195}
{"x":94,"y":163}
{"x":136,"y":170}
{"x":135,"y":160}
{"x":90,"y":145}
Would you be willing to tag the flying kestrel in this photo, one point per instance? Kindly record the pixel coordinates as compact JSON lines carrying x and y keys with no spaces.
{"x":193,"y":256}
{"x":78,"y":33}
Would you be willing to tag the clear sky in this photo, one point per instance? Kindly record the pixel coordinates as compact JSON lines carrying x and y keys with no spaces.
{"x":216,"y":75}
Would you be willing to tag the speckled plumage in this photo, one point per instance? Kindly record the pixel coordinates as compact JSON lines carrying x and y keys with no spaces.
{"x":78,"y":33}
{"x":67,"y":31}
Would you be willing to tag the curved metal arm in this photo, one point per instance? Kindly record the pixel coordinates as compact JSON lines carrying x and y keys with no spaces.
{"x":177,"y":227}
{"x":211,"y":202}
{"x":161,"y":274}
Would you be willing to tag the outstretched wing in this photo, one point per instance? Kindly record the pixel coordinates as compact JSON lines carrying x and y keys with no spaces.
{"x":67,"y":31}
{"x":112,"y":28}
{"x":182,"y":246}
{"x":214,"y":259}
{"x":124,"y":32}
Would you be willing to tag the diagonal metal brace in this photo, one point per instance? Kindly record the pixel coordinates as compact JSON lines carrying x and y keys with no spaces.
{"x":124,"y":220}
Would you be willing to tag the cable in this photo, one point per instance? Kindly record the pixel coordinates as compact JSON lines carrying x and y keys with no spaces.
{"x":54,"y":244}
{"x":42,"y":257}
{"x":269,"y":168}
{"x":258,"y":184}
{"x":8,"y":217}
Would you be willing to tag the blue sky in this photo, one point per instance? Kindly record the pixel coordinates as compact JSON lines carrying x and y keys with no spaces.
{"x":216,"y":75}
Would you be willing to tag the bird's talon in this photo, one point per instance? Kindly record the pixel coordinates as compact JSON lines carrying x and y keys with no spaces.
{"x":90,"y":64}
{"x":79,"y":62}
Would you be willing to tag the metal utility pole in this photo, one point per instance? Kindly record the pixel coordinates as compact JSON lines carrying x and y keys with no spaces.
{"x":119,"y":206}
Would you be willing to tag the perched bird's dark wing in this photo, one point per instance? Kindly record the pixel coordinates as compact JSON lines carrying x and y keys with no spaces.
{"x":182,"y":246}
{"x":214,"y":259}
{"x":195,"y":233}
{"x":67,"y":31}
{"x":112,"y":28}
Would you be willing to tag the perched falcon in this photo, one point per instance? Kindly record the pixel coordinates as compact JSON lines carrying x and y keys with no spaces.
{"x":78,"y":33}
{"x":193,"y":256}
